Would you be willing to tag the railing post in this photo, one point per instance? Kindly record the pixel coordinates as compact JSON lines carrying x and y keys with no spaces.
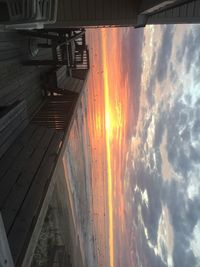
{"x":5,"y":254}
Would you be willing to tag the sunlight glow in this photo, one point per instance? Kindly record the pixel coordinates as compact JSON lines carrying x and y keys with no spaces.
{"x":109,"y":120}
{"x":108,"y":128}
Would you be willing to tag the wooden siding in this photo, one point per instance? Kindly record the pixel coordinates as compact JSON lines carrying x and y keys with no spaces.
{"x":183,"y":13}
{"x":95,"y":12}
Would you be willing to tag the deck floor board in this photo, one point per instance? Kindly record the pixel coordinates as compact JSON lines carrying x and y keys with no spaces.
{"x":24,"y":182}
{"x":18,"y":165}
{"x":29,"y":208}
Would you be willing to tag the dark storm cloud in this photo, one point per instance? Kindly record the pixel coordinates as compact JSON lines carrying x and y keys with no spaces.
{"x":189,"y":50}
{"x":185,"y":214}
{"x":131,"y":50}
{"x":182,"y":122}
{"x":177,"y":206}
{"x":178,"y":131}
{"x":180,"y":53}
{"x":159,"y":130}
{"x":193,"y":213}
{"x":151,"y":214}
{"x":160,"y":62}
{"x":150,"y":90}
{"x":151,"y":218}
{"x":185,"y":135}
{"x":196,"y":72}
{"x":146,"y":254}
{"x":183,"y":126}
{"x":181,"y":256}
{"x":173,"y":74}
{"x":194,"y":154}
{"x":177,"y":155}
{"x":145,"y":129}
{"x":131,"y":59}
{"x":164,"y":53}
{"x":196,"y":128}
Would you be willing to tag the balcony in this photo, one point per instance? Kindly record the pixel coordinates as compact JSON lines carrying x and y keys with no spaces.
{"x":40,"y":112}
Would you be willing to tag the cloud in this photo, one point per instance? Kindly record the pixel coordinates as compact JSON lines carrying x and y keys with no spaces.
{"x":150,"y":90}
{"x":180,"y":52}
{"x":194,"y":154}
{"x":160,"y":62}
{"x":181,"y":256}
{"x":173,"y":75}
{"x":131,"y":62}
{"x":164,"y":53}
{"x":176,"y":112}
{"x":159,"y":130}
{"x":188,"y":52}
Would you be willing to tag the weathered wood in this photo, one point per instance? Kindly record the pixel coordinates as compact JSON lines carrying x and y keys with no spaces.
{"x":40,"y":62}
{"x":25,"y":222}
{"x":39,"y":218}
{"x":25,"y":192}
{"x":71,"y":84}
{"x":11,"y":113}
{"x":11,"y":124}
{"x":191,"y":9}
{"x":5,"y":254}
{"x":38,"y":34}
{"x":76,"y":9}
{"x":12,"y":174}
{"x":11,"y":138}
{"x":7,"y":160}
{"x":24,"y":181}
{"x":56,"y":111}
{"x":83,"y":10}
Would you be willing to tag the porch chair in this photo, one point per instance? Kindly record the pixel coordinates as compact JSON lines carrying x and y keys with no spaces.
{"x":30,"y":14}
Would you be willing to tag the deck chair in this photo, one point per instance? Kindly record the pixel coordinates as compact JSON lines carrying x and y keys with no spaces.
{"x":30,"y":14}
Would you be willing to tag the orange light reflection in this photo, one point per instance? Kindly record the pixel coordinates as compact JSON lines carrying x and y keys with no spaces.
{"x":107,"y":123}
{"x":109,"y":134}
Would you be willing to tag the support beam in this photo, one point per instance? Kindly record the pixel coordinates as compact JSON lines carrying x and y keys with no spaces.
{"x":5,"y":254}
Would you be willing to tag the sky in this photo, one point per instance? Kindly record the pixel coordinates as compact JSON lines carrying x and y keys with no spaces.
{"x":144,"y":102}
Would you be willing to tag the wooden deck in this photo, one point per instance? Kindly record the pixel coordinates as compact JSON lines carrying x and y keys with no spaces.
{"x":24,"y":179}
{"x":18,"y":82}
{"x":28,"y":168}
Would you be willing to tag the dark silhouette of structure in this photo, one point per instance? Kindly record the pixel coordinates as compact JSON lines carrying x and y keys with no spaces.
{"x":126,"y":12}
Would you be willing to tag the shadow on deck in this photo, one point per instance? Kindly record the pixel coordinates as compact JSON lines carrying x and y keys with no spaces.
{"x":18,"y":82}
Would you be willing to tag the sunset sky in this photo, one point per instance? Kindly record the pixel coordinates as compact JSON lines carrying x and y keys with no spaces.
{"x":144,"y":127}
{"x":109,"y":104}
